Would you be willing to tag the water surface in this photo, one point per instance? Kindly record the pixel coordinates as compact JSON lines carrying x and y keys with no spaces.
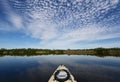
{"x":85,"y":68}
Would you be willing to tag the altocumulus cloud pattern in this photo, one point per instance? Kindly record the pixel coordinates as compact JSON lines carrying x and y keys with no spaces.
{"x":64,"y":23}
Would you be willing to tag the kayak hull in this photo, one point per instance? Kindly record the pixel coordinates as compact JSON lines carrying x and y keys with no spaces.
{"x":62,"y":67}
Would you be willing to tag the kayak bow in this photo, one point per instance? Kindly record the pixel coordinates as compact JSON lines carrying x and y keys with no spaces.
{"x":62,"y":74}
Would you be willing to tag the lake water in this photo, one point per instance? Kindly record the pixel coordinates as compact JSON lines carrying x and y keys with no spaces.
{"x":85,"y":68}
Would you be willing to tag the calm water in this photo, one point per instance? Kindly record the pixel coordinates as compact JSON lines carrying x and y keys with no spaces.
{"x":39,"y":68}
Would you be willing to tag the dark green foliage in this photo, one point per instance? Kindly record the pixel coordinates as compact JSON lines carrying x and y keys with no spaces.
{"x":30,"y":51}
{"x":101,"y":51}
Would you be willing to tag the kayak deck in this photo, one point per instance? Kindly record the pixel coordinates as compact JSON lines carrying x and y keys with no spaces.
{"x":62,"y":67}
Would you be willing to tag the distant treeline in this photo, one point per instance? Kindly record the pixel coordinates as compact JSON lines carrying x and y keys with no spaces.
{"x":30,"y":51}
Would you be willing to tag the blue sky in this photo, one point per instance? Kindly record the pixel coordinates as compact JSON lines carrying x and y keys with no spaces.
{"x":59,"y":24}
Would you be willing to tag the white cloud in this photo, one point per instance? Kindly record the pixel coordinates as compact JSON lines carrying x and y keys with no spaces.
{"x":60,"y":34}
{"x":99,"y":44}
{"x":89,"y":34}
{"x":37,"y":30}
{"x":14,"y":18}
{"x":58,"y":26}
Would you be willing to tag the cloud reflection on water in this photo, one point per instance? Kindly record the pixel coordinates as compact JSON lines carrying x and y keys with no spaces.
{"x":40,"y":68}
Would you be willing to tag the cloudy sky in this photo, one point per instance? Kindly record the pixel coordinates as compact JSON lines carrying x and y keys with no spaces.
{"x":59,"y":24}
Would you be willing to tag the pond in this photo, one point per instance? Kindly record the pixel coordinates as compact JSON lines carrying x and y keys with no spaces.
{"x":85,"y":68}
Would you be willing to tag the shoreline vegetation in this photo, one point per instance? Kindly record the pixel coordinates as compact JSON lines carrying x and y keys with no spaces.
{"x":31,"y":52}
